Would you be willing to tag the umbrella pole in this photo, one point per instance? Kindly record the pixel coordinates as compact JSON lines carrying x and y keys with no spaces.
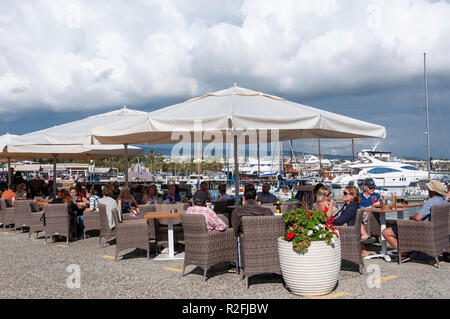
{"x":236,"y":172}
{"x":126,"y":163}
{"x":54,"y":175}
{"x":9,"y":173}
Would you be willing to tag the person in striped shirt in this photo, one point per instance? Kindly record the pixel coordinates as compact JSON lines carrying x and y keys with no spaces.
{"x":213,"y":222}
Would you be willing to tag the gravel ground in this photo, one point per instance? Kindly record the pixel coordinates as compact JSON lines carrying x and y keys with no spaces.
{"x":32,"y":269}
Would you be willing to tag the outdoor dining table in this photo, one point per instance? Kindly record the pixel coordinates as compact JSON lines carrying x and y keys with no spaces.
{"x":169,"y":215}
{"x":382,"y":212}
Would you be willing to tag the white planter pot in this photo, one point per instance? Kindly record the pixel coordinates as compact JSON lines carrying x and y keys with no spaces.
{"x":315,"y":273}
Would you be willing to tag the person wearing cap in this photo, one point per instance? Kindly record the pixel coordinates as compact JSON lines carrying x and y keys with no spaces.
{"x":437,"y":193}
{"x":368,"y":198}
{"x":213,"y":222}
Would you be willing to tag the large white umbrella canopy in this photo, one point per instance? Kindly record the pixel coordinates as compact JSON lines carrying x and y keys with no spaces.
{"x":232,"y":111}
{"x":76,"y":132}
{"x":79,"y":132}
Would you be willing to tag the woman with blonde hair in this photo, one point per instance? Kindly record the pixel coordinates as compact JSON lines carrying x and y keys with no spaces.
{"x":126,"y":201}
{"x":324,"y":203}
{"x":151,"y":196}
{"x":347,"y":214}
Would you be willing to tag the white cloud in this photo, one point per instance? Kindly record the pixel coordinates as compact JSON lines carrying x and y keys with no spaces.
{"x":68,"y":55}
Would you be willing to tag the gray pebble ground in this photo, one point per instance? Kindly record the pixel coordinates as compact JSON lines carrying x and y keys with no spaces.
{"x":32,"y":269}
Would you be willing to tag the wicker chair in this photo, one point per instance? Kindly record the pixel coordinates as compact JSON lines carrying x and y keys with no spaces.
{"x":27,"y":215}
{"x":131,"y":234}
{"x":259,"y":248}
{"x":9,"y":212}
{"x":430,"y":238}
{"x":2,"y":212}
{"x":105,"y":231}
{"x":206,"y":249}
{"x":91,"y":221}
{"x":351,"y":242}
{"x":57,"y":221}
{"x":144,"y":209}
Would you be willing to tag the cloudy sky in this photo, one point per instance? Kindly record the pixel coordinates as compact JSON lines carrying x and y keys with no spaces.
{"x":63,"y":60}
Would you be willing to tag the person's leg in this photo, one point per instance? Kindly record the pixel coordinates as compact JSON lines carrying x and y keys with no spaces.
{"x":391,"y":237}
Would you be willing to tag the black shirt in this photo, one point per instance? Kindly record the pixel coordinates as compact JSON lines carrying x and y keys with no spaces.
{"x":347,"y":214}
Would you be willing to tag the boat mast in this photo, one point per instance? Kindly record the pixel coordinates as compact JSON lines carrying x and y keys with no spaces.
{"x":427,"y":133}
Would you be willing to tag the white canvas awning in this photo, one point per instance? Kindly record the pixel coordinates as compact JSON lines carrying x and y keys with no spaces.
{"x":232,"y":111}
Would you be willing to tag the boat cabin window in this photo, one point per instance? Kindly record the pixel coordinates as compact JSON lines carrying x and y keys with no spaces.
{"x":382,"y":170}
{"x":411,"y":168}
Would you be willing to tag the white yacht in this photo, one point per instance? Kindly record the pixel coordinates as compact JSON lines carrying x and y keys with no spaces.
{"x":393,"y":176}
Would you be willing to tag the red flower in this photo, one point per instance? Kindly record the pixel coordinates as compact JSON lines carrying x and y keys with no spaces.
{"x":290,"y":236}
{"x":293,"y":227}
{"x":332,"y":219}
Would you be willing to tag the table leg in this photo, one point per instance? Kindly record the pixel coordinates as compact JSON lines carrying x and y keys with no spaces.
{"x":383,"y":254}
{"x":170,"y":237}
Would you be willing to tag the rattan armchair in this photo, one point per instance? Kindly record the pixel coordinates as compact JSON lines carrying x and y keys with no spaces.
{"x":91,"y":221}
{"x":105,"y":231}
{"x":351,"y":242}
{"x":2,"y":212}
{"x":430,"y":237}
{"x":57,"y":221}
{"x":144,"y":209}
{"x":131,"y":233}
{"x":259,"y":248}
{"x":27,"y":215}
{"x":206,"y":249}
{"x":9,"y":212}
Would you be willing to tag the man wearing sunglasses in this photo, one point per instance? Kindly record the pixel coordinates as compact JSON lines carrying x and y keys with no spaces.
{"x":368,"y":198}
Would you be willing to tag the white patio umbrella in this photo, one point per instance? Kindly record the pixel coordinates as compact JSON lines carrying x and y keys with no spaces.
{"x":233,"y":112}
{"x":66,"y":152}
{"x":79,"y":132}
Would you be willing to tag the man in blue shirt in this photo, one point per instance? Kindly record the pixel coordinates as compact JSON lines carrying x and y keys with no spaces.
{"x":437,"y":193}
{"x":368,"y":199}
{"x":265,"y":197}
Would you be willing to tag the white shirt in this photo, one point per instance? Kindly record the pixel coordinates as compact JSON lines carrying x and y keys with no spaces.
{"x":111,"y":203}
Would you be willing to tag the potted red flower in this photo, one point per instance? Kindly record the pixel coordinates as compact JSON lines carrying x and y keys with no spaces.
{"x":310,"y":252}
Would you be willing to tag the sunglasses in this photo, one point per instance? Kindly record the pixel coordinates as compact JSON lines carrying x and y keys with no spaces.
{"x":346,"y":193}
{"x":329,"y":194}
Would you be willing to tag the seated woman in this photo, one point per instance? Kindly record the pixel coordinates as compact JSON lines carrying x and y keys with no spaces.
{"x":21,"y":192}
{"x":151,"y":196}
{"x":127,"y":202}
{"x":346,"y":216}
{"x":324,"y":203}
{"x":111,"y":203}
{"x":171,"y":197}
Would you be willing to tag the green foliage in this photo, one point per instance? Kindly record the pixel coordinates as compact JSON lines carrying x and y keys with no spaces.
{"x":305,"y":226}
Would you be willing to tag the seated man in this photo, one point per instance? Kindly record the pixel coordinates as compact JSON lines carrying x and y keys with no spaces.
{"x":368,"y":198}
{"x":171,"y":197}
{"x":250,"y":208}
{"x":437,"y":192}
{"x":213,"y":222}
{"x":265,"y":197}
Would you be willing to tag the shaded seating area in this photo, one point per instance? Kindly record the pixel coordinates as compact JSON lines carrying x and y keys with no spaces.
{"x":258,"y":245}
{"x":206,"y":249}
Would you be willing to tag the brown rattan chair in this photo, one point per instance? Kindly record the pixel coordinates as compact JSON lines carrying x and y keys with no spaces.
{"x":27,"y":215}
{"x":206,"y":249}
{"x":351,"y":242}
{"x":91,"y":220}
{"x":105,"y":231}
{"x":2,"y":212}
{"x":57,"y":221}
{"x":10,"y":212}
{"x":258,"y":245}
{"x":430,"y":237}
{"x":144,"y":209}
{"x":131,"y":233}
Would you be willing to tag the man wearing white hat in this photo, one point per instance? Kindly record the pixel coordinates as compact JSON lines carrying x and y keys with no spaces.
{"x":437,"y":193}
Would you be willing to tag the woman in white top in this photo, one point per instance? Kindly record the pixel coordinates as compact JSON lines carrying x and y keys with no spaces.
{"x":151,"y":195}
